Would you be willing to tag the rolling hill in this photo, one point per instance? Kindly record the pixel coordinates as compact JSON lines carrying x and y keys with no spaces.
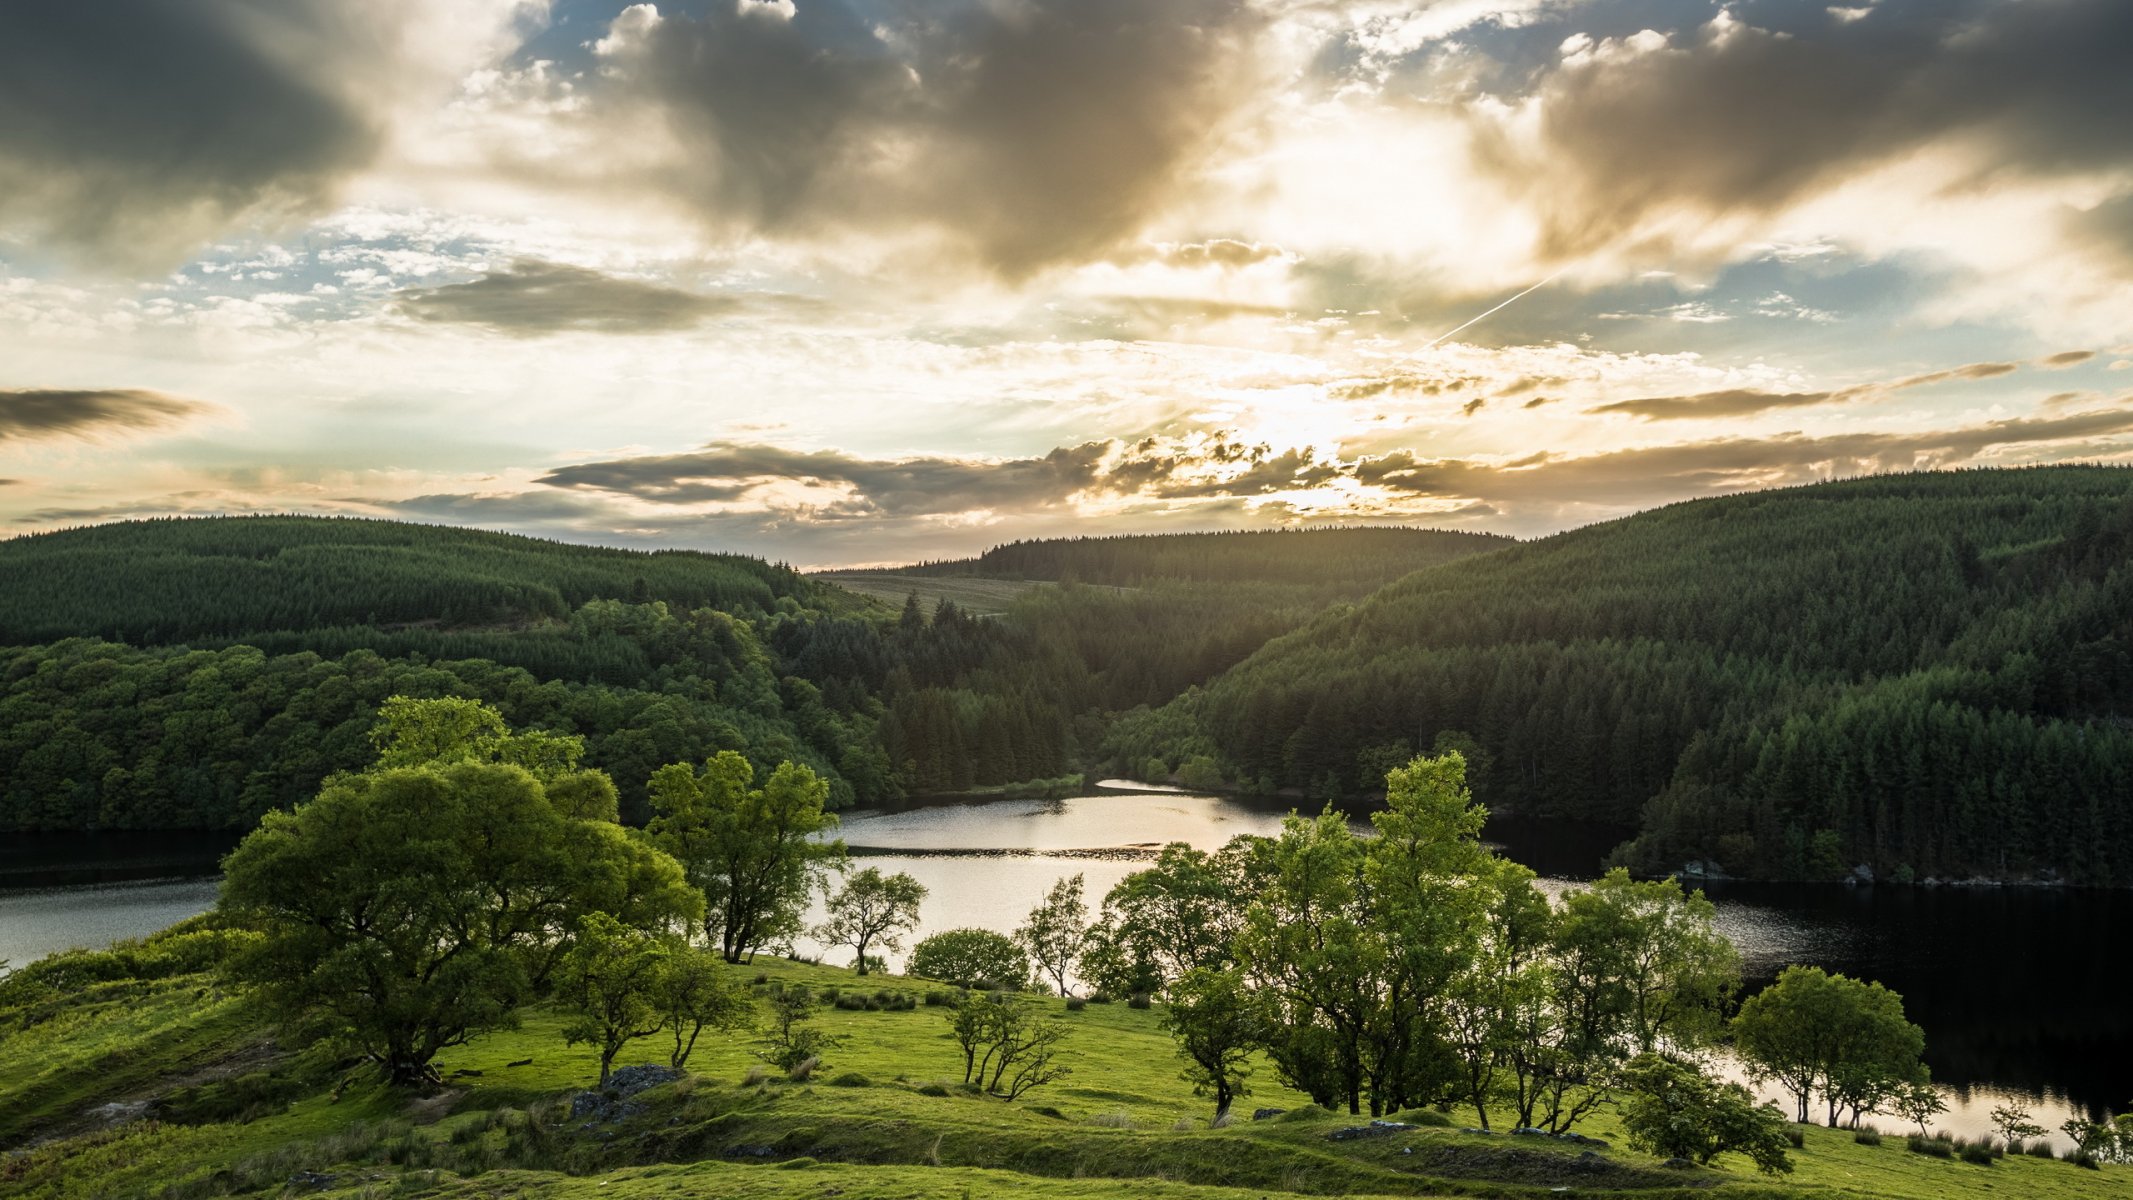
{"x":1927,"y":674}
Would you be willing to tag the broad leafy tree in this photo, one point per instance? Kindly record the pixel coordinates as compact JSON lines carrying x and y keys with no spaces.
{"x":1056,"y":932}
{"x":408,"y":909}
{"x":1673,"y":1109}
{"x":609,"y":986}
{"x":970,"y":956}
{"x":756,"y":853}
{"x":1817,"y":1031}
{"x":871,"y":910}
{"x":1218,"y":1022}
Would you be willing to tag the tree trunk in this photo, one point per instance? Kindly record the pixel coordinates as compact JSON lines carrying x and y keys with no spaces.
{"x":607,"y":1065}
{"x":862,"y":948}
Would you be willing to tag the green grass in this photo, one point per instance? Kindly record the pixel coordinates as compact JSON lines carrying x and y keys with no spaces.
{"x":971,"y":595}
{"x":1123,"y":1124}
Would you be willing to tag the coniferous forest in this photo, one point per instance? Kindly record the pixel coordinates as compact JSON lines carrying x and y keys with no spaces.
{"x":1927,"y":674}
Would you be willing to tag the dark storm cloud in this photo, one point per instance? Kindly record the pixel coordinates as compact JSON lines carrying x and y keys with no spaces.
{"x":90,"y":412}
{"x":1735,"y":118}
{"x":533,"y":297}
{"x":130,"y":128}
{"x":1035,"y":132}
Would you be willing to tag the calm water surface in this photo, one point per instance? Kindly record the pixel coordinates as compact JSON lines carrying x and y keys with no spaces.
{"x":2018,"y":989}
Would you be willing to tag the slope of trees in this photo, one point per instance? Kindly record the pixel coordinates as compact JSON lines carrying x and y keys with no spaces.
{"x":1930,"y":674}
{"x":1340,"y":557}
{"x":244,"y":578}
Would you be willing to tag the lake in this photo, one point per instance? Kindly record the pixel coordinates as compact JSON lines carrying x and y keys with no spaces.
{"x":2017,"y":988}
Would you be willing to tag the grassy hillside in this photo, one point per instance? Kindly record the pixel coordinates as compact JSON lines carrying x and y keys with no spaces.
{"x":1341,"y":558}
{"x":244,"y":578}
{"x":987,"y":597}
{"x":207,"y":1106}
{"x":1929,"y":674}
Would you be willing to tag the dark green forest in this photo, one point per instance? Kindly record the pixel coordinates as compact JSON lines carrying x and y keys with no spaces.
{"x":1927,"y":674}
{"x":1338,"y":558}
{"x":196,"y":673}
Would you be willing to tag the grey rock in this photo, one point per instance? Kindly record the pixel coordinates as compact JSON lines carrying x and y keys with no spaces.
{"x":1267,"y":1114}
{"x":1374,"y":1129}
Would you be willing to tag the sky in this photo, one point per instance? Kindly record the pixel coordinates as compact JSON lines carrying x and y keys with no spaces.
{"x":859,"y":282}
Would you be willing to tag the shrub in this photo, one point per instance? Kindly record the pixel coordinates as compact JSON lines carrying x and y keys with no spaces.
{"x":1867,"y":1137}
{"x":1076,"y":1004}
{"x":1099,"y":997}
{"x":2039,"y":1150}
{"x":937,"y":998}
{"x":963,"y":955}
{"x":1975,"y":1152}
{"x":1140,"y":1000}
{"x":851,"y":1079}
{"x":1930,"y":1147}
{"x":1673,"y":1109}
{"x":762,"y":977}
{"x":933,"y":1089}
{"x":2082,"y":1158}
{"x":804,"y":1070}
{"x":1798,"y":1138}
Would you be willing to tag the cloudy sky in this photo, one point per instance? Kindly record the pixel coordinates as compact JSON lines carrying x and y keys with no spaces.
{"x":863,"y":281}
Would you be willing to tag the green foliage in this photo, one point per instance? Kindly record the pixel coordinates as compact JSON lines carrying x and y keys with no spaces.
{"x":1007,"y":1048}
{"x":871,"y":909}
{"x":753,"y":852}
{"x":1056,"y":932}
{"x":794,"y":1041}
{"x":1673,"y":1109}
{"x":1218,"y":1023}
{"x":1903,"y":670}
{"x":404,"y":910}
{"x":1159,"y":923}
{"x":969,"y":956}
{"x":609,"y":984}
{"x":694,"y":994}
{"x":1813,"y":1030}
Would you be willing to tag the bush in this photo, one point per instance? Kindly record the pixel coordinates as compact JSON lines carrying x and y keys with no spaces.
{"x":851,"y":1079}
{"x":2039,"y":1149}
{"x":762,"y":977}
{"x":1798,"y":1138}
{"x":804,"y":1070}
{"x":1140,"y":1000}
{"x":1674,"y":1110}
{"x":2082,"y":1158}
{"x":1099,"y":997}
{"x":1975,"y":1152}
{"x":1930,"y":1147}
{"x":963,"y":955}
{"x":1076,"y":1004}
{"x":1867,"y":1137}
{"x":938,"y":998}
{"x":933,"y":1089}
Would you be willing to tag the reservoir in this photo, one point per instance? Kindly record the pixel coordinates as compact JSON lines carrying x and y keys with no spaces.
{"x":2015,"y":987}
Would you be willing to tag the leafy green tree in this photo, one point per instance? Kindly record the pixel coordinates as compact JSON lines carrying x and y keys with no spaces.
{"x":1007,"y":1049}
{"x":970,"y":956}
{"x":1918,"y":1102}
{"x":1180,"y":913}
{"x":2015,"y":1124}
{"x":409,"y":909}
{"x":754,"y":852}
{"x":1674,"y":1109}
{"x":1218,"y":1022}
{"x":1056,"y":932}
{"x":792,"y":1039}
{"x":693,"y":994}
{"x":872,"y":909}
{"x":609,"y":985}
{"x":1813,"y":1030}
{"x":1503,"y":980}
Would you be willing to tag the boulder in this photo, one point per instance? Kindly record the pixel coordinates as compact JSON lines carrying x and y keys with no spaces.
{"x":1267,"y":1114}
{"x":1375,"y":1129}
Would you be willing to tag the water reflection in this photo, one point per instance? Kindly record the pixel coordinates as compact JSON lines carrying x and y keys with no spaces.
{"x":2017,"y":989}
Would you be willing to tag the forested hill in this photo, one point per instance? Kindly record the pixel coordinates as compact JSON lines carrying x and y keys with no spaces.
{"x":1339,"y":558}
{"x":180,"y":580}
{"x":1929,"y":674}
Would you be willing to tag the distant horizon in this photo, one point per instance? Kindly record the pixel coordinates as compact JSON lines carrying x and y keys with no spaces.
{"x":834,"y":568}
{"x":871,"y":281}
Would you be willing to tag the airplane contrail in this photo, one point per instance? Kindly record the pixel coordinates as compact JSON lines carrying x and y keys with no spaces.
{"x":1499,"y":308}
